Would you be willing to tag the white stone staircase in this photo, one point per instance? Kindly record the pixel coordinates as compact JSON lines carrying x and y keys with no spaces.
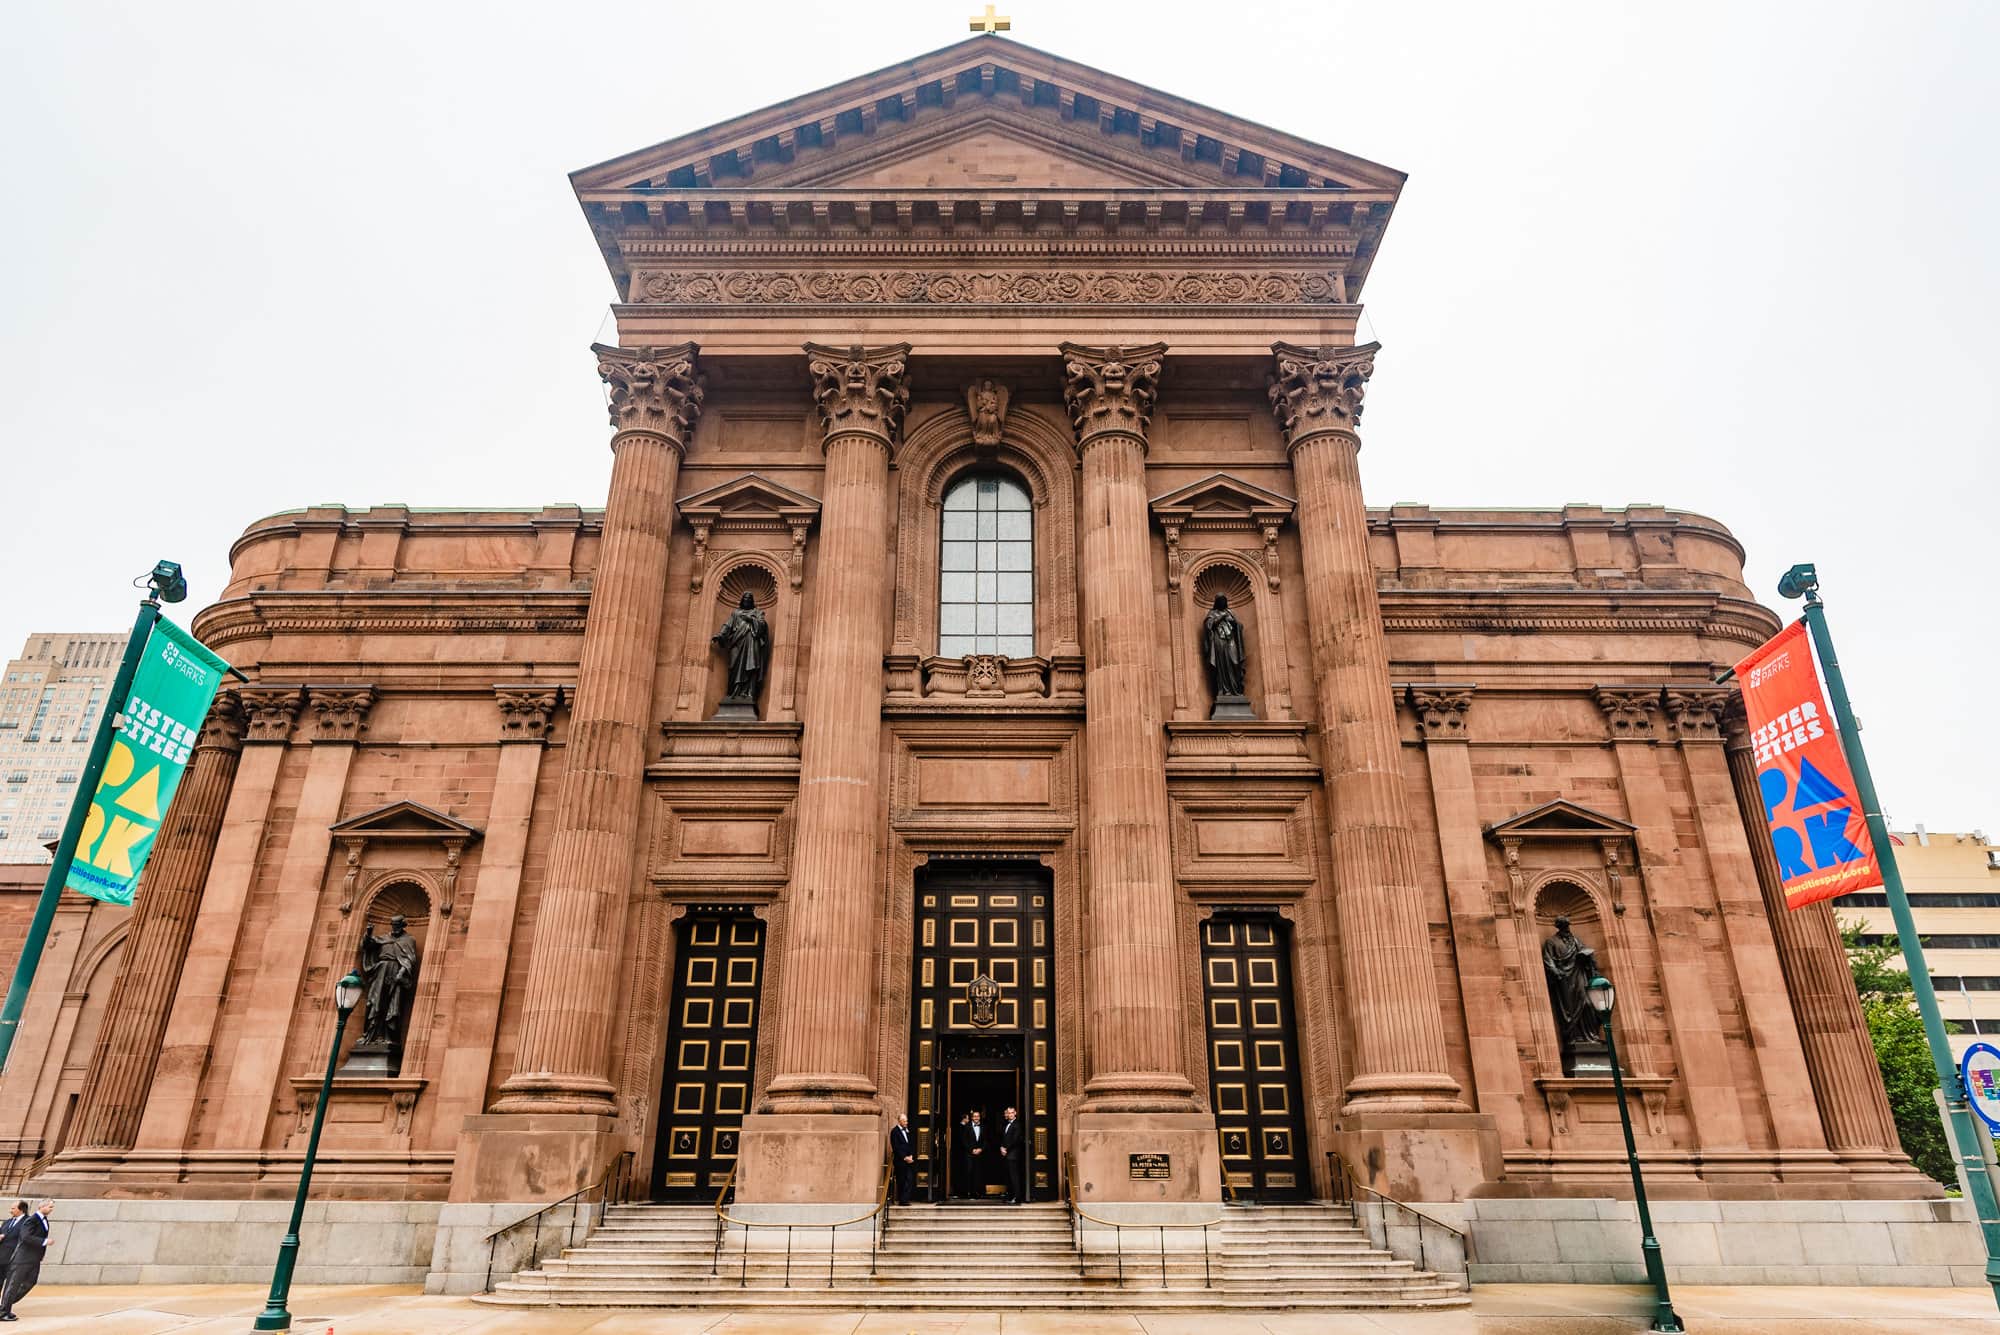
{"x":979,"y":1257}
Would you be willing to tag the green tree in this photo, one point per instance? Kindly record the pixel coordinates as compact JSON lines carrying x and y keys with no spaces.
{"x":1901,"y":1050}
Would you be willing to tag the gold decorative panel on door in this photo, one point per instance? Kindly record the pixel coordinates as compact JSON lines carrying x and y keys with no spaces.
{"x":982,"y":1023}
{"x":1253,"y":1055}
{"x":711,"y":1044}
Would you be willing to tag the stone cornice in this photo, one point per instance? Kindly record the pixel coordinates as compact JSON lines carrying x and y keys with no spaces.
{"x":1624,"y":611}
{"x":344,"y":611}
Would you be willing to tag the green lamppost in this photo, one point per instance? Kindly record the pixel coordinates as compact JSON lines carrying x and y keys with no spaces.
{"x":1602,"y":995}
{"x":275,"y":1316}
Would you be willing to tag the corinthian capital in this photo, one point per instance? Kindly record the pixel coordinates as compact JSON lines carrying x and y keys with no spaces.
{"x":223,"y":729}
{"x":652,"y":389}
{"x":269,"y":711}
{"x":1319,"y":390}
{"x":1110,"y":390}
{"x":860,"y":391}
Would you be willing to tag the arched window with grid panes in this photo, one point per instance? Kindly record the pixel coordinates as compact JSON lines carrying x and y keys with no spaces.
{"x":986,"y":580}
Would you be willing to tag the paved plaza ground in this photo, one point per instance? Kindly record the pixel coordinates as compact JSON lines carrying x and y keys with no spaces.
{"x":1497,"y":1309}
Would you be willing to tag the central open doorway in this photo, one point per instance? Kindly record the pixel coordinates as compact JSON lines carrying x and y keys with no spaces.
{"x":982,"y":1024}
{"x":983,"y":1076}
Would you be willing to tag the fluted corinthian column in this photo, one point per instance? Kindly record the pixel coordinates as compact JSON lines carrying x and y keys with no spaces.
{"x":573,"y":968}
{"x":824,"y":1038}
{"x":1840,"y":1060}
{"x":1134,"y":1010}
{"x":163,"y":916}
{"x":1399,"y":1047}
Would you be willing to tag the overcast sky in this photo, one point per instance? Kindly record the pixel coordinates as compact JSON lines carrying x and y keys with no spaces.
{"x":1736,"y":258}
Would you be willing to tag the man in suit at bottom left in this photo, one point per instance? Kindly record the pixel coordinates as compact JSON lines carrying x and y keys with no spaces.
{"x":903,"y":1157}
{"x":31,"y":1240}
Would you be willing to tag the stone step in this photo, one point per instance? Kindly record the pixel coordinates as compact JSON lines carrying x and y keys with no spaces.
{"x":1081,"y":1300}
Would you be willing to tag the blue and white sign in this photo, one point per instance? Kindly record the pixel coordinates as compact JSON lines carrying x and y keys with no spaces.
{"x":1979,"y":1068}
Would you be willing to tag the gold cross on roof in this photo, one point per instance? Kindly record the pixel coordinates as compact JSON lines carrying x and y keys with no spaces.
{"x":992,"y":22}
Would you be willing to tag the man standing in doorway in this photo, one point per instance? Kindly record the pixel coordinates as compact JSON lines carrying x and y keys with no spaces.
{"x":903,"y":1157}
{"x":1014,"y":1154}
{"x":977,"y":1173}
{"x":31,"y":1240}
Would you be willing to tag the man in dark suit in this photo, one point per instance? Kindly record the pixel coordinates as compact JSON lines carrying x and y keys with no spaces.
{"x":31,"y":1240}
{"x":1014,"y":1155}
{"x":961,"y":1161}
{"x":979,"y":1157}
{"x":903,"y":1157}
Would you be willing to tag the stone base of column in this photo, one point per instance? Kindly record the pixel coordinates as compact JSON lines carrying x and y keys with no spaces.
{"x":811,"y":1158}
{"x":1109,"y":1148}
{"x":530,"y":1156}
{"x":1421,"y":1156}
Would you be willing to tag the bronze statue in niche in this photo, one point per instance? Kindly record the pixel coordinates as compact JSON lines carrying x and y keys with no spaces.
{"x":1223,"y":650}
{"x":1569,"y":965}
{"x":746,"y":638}
{"x":388,"y":971}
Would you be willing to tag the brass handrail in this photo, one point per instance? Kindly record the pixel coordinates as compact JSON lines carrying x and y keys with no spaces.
{"x":618,"y":1171}
{"x":1079,"y":1215}
{"x":723,"y":1219}
{"x":1340,"y":1177}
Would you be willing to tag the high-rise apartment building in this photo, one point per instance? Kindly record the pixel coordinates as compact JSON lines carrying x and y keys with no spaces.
{"x":50,"y":700}
{"x":1953,"y":882}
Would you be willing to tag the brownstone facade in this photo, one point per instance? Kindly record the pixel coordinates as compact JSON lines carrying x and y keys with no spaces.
{"x":996,"y":266}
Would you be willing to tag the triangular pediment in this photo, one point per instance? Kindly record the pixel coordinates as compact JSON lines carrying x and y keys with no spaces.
{"x":1103,"y":115}
{"x":987,"y":152}
{"x":1222,"y":501}
{"x":750,"y":501}
{"x":403,"y":820}
{"x":1560,"y":819}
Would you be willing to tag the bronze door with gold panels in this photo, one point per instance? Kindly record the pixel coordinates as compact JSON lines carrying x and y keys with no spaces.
{"x":1253,"y":1051}
{"x":982,"y":1022}
{"x":711,"y":1041}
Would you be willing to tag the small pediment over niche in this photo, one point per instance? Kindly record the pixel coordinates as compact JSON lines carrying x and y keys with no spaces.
{"x":404,"y":821}
{"x":1221,"y":502}
{"x":1560,"y":819}
{"x":750,"y":502}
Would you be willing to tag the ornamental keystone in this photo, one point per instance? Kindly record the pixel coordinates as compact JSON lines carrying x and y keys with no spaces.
{"x":1110,"y":391}
{"x":1316,"y":391}
{"x":655,"y":390}
{"x":860,"y":391}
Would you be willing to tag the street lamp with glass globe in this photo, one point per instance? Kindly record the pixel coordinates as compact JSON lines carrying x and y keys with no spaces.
{"x":1602,"y":996}
{"x":275,"y":1316}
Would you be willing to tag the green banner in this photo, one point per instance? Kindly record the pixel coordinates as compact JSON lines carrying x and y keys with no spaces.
{"x":157,"y":724}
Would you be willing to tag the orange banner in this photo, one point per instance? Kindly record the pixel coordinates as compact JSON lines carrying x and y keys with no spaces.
{"x":1815,"y":819}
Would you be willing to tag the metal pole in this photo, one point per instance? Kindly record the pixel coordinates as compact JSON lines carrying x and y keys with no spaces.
{"x":1965,"y":1133}
{"x":1664,"y":1316}
{"x":79,"y":807}
{"x":274,"y":1316}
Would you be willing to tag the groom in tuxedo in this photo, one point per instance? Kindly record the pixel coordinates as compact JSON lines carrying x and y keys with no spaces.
{"x":1014,"y":1155}
{"x":979,"y":1157}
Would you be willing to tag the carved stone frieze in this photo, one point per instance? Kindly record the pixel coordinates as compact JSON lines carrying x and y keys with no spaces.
{"x":1629,"y":714}
{"x":270,"y":711}
{"x":1110,"y":391}
{"x":860,"y":391}
{"x":340,"y":713}
{"x":1318,"y":390}
{"x":226,"y":723}
{"x":1697,"y":712}
{"x":527,"y":713}
{"x":998,"y":287}
{"x":1441,"y":712}
{"x":652,"y":389}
